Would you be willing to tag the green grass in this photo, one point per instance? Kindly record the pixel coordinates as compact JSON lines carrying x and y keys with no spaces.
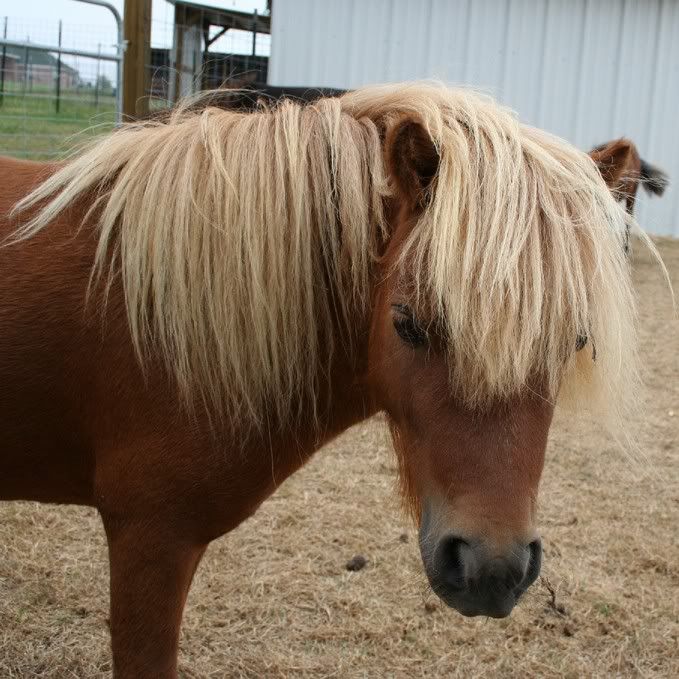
{"x":30,"y":126}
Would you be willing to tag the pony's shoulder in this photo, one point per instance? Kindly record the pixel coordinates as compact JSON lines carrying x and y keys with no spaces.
{"x":17,"y":171}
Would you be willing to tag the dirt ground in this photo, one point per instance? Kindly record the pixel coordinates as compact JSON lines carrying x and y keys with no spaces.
{"x":274,"y":599}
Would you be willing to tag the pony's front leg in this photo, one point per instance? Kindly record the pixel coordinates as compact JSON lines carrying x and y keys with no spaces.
{"x":151,"y":572}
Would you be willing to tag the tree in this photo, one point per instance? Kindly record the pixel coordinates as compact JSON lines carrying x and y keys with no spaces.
{"x":104,"y":84}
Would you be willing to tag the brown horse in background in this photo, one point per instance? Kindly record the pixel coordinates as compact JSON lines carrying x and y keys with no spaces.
{"x":248,"y":97}
{"x":625,"y":170}
{"x":252,"y":95}
{"x":193,"y":306}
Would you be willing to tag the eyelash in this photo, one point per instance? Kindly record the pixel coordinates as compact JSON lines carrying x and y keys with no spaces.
{"x":407,"y":328}
{"x":411,"y":333}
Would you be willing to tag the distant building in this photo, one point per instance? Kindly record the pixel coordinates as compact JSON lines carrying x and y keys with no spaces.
{"x":190,"y":63}
{"x":35,"y":67}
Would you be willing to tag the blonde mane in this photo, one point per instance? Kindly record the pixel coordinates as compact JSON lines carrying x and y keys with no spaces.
{"x":243,"y":239}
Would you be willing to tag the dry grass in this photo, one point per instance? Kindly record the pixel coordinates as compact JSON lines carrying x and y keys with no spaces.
{"x":274,"y":599}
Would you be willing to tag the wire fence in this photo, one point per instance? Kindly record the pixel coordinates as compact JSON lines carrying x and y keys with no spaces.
{"x":53,"y":100}
{"x":183,"y":63}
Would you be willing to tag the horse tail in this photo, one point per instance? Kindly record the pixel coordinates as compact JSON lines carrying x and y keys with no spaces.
{"x":654,"y":180}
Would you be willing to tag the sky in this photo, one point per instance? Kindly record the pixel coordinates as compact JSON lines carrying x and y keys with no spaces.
{"x":74,"y":12}
{"x":93,"y":28}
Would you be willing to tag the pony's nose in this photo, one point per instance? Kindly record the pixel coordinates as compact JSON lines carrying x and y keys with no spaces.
{"x":476,"y":582}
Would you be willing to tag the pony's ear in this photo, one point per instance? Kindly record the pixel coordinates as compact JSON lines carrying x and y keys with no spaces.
{"x":613,"y":159}
{"x":412,"y":161}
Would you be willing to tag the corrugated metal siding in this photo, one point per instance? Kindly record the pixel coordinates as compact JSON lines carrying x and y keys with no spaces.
{"x":587,"y":70}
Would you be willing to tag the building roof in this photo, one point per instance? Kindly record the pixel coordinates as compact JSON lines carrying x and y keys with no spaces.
{"x":224,"y":18}
{"x":39,"y":58}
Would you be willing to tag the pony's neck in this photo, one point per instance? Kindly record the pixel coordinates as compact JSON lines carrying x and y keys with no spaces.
{"x":344,"y":398}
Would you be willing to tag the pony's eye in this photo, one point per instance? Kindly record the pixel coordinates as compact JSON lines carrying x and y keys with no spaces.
{"x":407,"y":327}
{"x":580,"y":343}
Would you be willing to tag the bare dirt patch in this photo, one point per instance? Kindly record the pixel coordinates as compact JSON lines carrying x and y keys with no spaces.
{"x":275,"y":598}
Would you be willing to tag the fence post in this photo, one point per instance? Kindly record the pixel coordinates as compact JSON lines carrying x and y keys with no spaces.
{"x":58,"y":101}
{"x":96,"y":80}
{"x":3,"y":65}
{"x":254,"y":33}
{"x":25,"y":68}
{"x":137,"y":21}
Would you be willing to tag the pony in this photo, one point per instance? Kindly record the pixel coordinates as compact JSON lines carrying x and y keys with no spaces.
{"x":191,"y":307}
{"x":625,"y":170}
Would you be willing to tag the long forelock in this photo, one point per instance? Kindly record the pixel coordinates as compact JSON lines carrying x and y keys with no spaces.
{"x":519,"y":254}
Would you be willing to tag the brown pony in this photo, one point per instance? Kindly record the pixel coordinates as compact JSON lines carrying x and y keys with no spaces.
{"x":625,"y":170}
{"x":191,"y":307}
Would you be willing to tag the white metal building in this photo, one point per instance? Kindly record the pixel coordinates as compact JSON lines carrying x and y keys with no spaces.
{"x":587,"y":70}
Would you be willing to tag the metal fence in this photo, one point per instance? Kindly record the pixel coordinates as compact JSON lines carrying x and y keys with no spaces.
{"x":59,"y":85}
{"x":233,"y":58}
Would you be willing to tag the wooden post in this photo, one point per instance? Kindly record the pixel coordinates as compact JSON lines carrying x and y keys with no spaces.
{"x":137,"y":28}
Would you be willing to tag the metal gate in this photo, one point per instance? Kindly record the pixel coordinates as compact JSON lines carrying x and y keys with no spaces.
{"x":49,"y":106}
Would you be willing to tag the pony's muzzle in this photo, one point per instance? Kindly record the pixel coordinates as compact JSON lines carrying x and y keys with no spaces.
{"x":475,"y":581}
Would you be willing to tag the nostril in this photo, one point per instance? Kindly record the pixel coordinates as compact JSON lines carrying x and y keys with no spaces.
{"x":514,"y":575}
{"x":534,"y":563}
{"x":515,"y":570}
{"x":450,"y":560}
